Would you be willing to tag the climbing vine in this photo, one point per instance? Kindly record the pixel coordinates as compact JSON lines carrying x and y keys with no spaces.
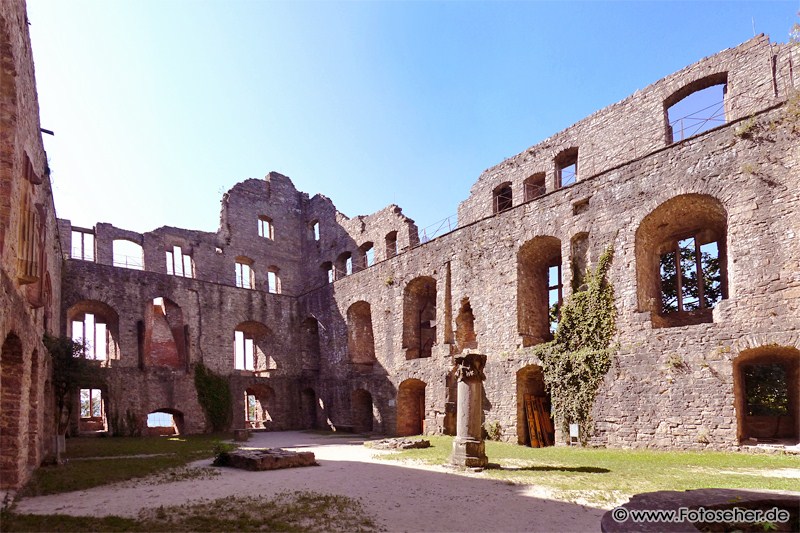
{"x":214,"y":395}
{"x":576,"y":361}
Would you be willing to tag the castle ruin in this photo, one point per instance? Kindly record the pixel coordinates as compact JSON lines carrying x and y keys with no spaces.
{"x":317,"y":320}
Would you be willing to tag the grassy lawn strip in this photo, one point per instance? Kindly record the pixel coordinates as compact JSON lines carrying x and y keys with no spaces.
{"x":80,"y":474}
{"x":297,"y":511}
{"x":605,"y":474}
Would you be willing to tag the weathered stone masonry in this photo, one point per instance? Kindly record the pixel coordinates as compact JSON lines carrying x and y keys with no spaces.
{"x":30,"y":260}
{"x":364,"y":326}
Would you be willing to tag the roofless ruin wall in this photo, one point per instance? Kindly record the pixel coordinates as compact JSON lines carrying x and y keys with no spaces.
{"x":358,"y":324}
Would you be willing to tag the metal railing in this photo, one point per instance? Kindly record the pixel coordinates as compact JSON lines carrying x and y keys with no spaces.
{"x":127,"y":261}
{"x":698,"y":121}
{"x":437,"y":229}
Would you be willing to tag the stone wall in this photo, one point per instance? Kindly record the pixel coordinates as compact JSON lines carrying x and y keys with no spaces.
{"x":30,"y":260}
{"x":357,"y":352}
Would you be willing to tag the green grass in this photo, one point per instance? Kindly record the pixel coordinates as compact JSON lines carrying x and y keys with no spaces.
{"x":81,"y":473}
{"x":601,"y":475}
{"x":292,"y":512}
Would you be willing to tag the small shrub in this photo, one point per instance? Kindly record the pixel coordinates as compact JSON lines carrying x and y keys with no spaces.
{"x":745,"y":128}
{"x":675,"y":361}
{"x":494,"y":431}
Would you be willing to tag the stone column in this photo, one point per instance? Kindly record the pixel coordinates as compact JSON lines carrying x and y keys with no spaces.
{"x":468,"y":446}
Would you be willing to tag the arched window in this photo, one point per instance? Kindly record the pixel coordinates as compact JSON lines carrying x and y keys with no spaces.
{"x":566,"y":168}
{"x":535,"y":186}
{"x":164,"y":335}
{"x":128,"y":254}
{"x":502,"y":198}
{"x":367,"y":256}
{"x":419,"y":317}
{"x":681,"y":268}
{"x":696,"y":107}
{"x":360,"y":340}
{"x":539,"y":289}
{"x":309,"y":339}
{"x":327,"y":268}
{"x":95,"y":325}
{"x":391,"y":244}
{"x":344,"y":265}
{"x":411,"y":407}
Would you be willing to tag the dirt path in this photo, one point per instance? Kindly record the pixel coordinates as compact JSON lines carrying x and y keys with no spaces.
{"x":399,"y":497}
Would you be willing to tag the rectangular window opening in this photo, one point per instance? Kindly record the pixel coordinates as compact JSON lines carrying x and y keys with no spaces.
{"x":244,"y":276}
{"x":91,"y":403}
{"x":554,"y":295}
{"x":82,"y":245}
{"x":265,"y":228}
{"x":690,"y":276}
{"x":568,"y":173}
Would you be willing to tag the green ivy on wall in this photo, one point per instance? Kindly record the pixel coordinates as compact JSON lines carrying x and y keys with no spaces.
{"x":576,"y":361}
{"x":214,"y":395}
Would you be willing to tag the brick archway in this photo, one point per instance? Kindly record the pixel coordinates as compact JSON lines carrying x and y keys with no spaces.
{"x":411,"y":408}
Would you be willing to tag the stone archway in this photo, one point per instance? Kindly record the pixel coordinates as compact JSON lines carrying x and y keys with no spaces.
{"x":411,"y":408}
{"x":361,"y":409}
{"x":766,"y":387}
{"x":530,"y":382}
{"x":259,"y":401}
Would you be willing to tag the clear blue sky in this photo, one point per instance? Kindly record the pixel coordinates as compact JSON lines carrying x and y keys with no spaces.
{"x":158,"y":107}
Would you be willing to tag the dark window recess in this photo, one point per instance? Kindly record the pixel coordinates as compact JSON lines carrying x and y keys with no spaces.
{"x":503,"y":198}
{"x":535,"y":187}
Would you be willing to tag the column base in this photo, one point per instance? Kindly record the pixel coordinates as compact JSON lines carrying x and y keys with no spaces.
{"x":469,"y":453}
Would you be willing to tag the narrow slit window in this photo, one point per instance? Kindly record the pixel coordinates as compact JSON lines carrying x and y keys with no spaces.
{"x":554,"y":294}
{"x":391,"y":244}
